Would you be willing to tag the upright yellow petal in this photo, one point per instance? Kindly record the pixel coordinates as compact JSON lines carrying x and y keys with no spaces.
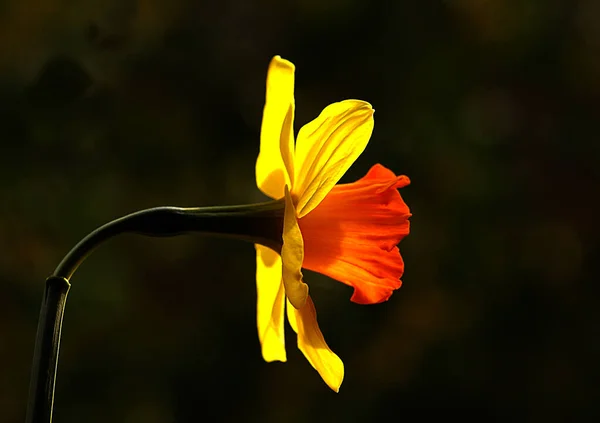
{"x":270,"y":304}
{"x":313,"y":345}
{"x":327,"y":147}
{"x":292,"y":255}
{"x":274,"y":166}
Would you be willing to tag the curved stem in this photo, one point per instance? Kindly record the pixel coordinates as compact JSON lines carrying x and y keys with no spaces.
{"x":259,"y":223}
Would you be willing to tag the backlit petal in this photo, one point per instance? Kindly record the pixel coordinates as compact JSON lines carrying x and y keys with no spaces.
{"x":270,"y":304}
{"x":352,"y":235}
{"x":313,"y":345}
{"x":274,"y":166}
{"x":326,"y":148}
{"x":292,"y":255}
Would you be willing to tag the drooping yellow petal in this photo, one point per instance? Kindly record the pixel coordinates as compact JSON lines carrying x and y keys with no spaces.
{"x":326,"y":148}
{"x":313,"y":345}
{"x":270,"y":304}
{"x":292,"y":255}
{"x":274,"y":166}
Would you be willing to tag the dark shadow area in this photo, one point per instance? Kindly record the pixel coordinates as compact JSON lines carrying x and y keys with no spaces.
{"x":491,"y":109}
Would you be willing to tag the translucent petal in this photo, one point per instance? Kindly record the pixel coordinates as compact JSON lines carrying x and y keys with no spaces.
{"x":274,"y":166}
{"x":352,"y":235}
{"x":326,"y":148}
{"x":313,"y":345}
{"x":292,"y":255}
{"x":270,"y":304}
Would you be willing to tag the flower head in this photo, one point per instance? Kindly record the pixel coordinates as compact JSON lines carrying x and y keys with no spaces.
{"x":348,"y":232}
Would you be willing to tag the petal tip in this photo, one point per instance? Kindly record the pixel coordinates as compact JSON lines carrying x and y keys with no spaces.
{"x":269,"y":358}
{"x":335,"y":385}
{"x":278,"y":61}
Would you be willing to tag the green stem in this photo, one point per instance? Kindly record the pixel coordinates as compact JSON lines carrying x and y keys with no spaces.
{"x":258,"y":223}
{"x":43,"y":374}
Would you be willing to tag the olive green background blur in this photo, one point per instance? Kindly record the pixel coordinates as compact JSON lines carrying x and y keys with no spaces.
{"x":491,"y":108}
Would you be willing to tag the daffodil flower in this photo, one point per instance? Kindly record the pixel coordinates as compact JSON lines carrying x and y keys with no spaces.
{"x":348,"y":232}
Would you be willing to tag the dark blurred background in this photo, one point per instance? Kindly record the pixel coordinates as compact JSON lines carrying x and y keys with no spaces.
{"x":491,"y":108}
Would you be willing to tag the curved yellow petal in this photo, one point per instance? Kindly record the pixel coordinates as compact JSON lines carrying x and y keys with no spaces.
{"x":274,"y":165}
{"x":270,"y":304}
{"x":313,"y":345}
{"x":292,"y":255}
{"x":327,"y":147}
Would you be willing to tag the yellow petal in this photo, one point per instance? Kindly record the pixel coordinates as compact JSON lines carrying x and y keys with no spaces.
{"x":313,"y":345}
{"x":327,"y":147}
{"x":274,"y":166}
{"x":292,"y":255}
{"x":270,"y":304}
